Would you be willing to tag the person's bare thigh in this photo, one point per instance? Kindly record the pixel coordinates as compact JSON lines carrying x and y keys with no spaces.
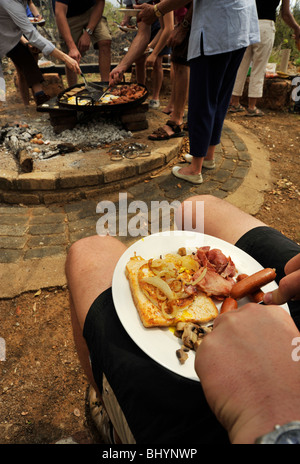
{"x":221,"y":219}
{"x":90,"y":266}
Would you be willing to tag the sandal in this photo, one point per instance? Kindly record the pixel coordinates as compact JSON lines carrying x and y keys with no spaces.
{"x":236,"y":109}
{"x":161,"y":134}
{"x":254,"y":113}
{"x":100,"y":417}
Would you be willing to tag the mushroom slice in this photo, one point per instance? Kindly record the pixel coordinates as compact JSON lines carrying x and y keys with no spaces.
{"x":182,"y":354}
{"x":190,"y":335}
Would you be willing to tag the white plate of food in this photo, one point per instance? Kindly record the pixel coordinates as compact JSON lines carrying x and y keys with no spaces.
{"x":129,"y":11}
{"x":160,"y":343}
{"x":146,"y":52}
{"x":38,"y":22}
{"x":127,"y":28}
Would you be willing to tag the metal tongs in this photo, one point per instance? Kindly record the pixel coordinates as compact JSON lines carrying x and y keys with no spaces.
{"x":97,"y":91}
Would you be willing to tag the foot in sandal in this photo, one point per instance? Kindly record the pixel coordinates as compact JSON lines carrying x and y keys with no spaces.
{"x":236,"y":108}
{"x":254,"y":112}
{"x":169,"y":131}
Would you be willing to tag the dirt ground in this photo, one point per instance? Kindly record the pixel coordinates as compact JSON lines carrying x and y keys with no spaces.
{"x":42,"y":386}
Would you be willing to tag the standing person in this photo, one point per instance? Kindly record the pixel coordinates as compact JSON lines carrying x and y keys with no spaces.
{"x":160,"y":33}
{"x":80,"y":23}
{"x":32,"y":13}
{"x":178,"y":41}
{"x":259,"y":55}
{"x":14,"y":24}
{"x":155,"y":34}
{"x":214,"y":61}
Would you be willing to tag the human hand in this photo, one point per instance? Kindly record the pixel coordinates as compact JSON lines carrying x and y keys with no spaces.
{"x":116,"y":75}
{"x":84,"y":43}
{"x":72,"y":64}
{"x":247,"y":372}
{"x":150,"y":61}
{"x":146,"y":13}
{"x":75,"y":54}
{"x":289,"y":286}
{"x":126,"y":20}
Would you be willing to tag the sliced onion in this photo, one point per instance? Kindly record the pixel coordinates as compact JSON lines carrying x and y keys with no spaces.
{"x":176,"y":285}
{"x":161,"y":284}
{"x":164,"y":312}
{"x":201,"y":276}
{"x":153,"y":300}
{"x":160,"y":296}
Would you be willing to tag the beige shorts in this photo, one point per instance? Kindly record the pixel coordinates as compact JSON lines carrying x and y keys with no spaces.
{"x":258,"y":54}
{"x":77,"y":25}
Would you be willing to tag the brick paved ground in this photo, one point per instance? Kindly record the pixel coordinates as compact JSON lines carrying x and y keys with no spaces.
{"x":30,"y":234}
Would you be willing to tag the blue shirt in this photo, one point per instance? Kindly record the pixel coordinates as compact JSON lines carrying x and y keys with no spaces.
{"x":224,"y":25}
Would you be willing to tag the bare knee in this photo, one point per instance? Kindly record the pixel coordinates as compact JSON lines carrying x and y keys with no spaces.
{"x":191,"y":213}
{"x":104,"y":45}
{"x":91,"y":251}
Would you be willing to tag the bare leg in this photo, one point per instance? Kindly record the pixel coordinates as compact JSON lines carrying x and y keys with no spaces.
{"x":140,"y":70}
{"x":170,"y":104}
{"x":89,"y":269}
{"x":23,"y":87}
{"x":221,"y":219}
{"x":104,"y":59}
{"x":157,"y":78}
{"x":195,"y":167}
{"x":71,"y":77}
{"x":235,"y":100}
{"x":179,"y":94}
{"x":181,"y":85}
{"x":252,"y":103}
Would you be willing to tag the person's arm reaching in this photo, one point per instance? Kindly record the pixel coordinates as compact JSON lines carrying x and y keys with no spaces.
{"x":167,"y":26}
{"x":64,"y":30}
{"x":136,"y":49}
{"x":289,"y":19}
{"x":147,"y":12}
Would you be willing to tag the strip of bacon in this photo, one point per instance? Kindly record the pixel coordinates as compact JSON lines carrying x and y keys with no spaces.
{"x":215,"y":260}
{"x":213,"y":284}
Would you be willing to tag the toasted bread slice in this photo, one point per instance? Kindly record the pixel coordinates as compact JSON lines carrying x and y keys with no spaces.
{"x":198,"y":308}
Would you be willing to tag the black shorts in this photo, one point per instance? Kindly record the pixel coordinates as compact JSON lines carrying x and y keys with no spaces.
{"x":180,"y":52}
{"x":24,"y":60}
{"x":160,"y":406}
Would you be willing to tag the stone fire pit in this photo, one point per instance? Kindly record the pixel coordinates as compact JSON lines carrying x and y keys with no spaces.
{"x":95,"y":157}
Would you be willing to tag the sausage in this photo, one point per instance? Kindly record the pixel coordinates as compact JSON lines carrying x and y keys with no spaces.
{"x":252,"y":283}
{"x":229,"y":304}
{"x":257,"y":297}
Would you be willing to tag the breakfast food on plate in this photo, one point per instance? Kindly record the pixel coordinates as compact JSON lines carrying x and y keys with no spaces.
{"x":178,"y":287}
{"x":179,"y":290}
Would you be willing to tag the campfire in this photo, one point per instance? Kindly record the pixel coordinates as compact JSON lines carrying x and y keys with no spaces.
{"x":28,"y":143}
